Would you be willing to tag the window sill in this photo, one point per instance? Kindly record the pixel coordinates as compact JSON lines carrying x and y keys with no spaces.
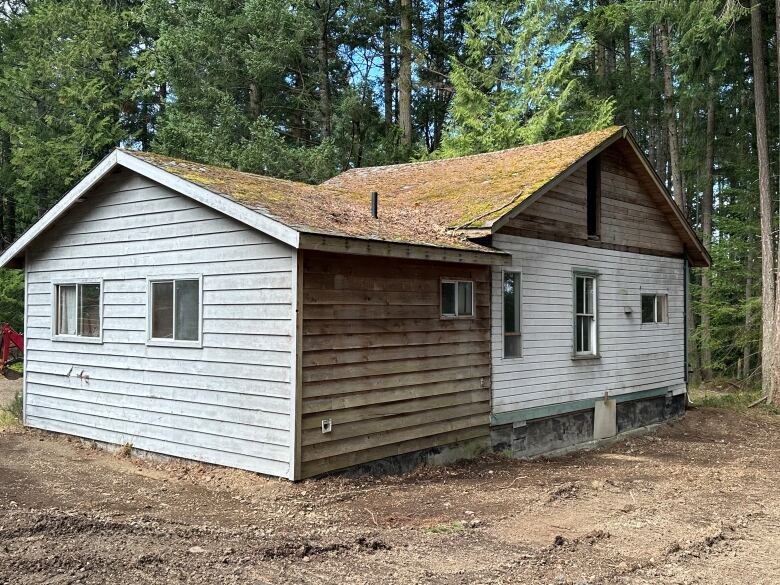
{"x":455,"y":317}
{"x":76,"y":339}
{"x":174,"y":343}
{"x":589,"y":356}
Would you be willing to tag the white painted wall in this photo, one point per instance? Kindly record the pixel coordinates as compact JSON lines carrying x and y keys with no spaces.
{"x":228,"y":402}
{"x":634,"y":356}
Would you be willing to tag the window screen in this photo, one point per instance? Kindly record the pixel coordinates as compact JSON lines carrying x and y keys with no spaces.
{"x":175,"y":310}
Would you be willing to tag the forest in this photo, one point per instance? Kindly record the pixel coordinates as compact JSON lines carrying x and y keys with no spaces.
{"x":303,"y":89}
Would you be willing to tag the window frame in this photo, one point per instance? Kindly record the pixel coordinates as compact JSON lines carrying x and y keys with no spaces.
{"x":595,"y":353}
{"x":456,"y":281}
{"x":664,"y":308}
{"x":519,"y":273}
{"x":77,"y":282}
{"x":163,"y":342}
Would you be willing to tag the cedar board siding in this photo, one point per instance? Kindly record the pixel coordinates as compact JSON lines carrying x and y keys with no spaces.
{"x":380,"y":362}
{"x":548,"y":242}
{"x":631,"y":219}
{"x":228,"y":402}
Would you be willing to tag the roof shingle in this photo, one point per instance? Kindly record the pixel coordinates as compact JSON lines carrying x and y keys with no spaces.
{"x":419,"y":203}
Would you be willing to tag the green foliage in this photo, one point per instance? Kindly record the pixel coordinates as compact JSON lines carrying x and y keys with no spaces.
{"x":11,"y":414}
{"x":12,"y":298}
{"x":517,"y":82}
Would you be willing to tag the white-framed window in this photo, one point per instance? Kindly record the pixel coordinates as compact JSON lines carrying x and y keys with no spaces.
{"x":585,"y":314}
{"x":655,"y":308}
{"x":174,"y":310}
{"x":78,"y":310}
{"x":513,"y":346}
{"x":457,"y":298}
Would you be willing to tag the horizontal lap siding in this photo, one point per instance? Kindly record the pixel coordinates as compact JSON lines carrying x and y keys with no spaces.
{"x":228,"y":402}
{"x":634,"y":356}
{"x":383,"y":366}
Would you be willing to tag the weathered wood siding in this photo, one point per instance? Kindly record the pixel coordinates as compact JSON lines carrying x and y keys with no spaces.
{"x":228,"y":402}
{"x":631,"y":218}
{"x":380,"y":362}
{"x":638,"y":253}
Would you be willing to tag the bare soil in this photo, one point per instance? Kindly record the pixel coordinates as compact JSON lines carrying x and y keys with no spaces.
{"x":696,"y":502}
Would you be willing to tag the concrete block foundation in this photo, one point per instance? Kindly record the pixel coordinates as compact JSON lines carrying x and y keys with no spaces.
{"x":563,"y":432}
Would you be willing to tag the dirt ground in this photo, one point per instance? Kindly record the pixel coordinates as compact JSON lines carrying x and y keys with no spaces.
{"x":696,"y":502}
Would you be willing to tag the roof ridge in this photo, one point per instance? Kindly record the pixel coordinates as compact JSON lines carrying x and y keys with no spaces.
{"x":356,"y":170}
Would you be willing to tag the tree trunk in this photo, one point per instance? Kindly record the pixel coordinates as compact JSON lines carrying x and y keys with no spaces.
{"x":773,"y":396}
{"x":405,"y":75}
{"x":323,"y":61}
{"x":254,"y":101}
{"x":440,"y":110}
{"x":387,"y":62}
{"x":706,"y":228}
{"x":652,"y":66}
{"x":748,"y":314}
{"x":767,"y":252}
{"x":8,"y":207}
{"x":671,"y":122}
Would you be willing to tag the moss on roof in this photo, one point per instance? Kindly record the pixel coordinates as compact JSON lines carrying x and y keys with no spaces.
{"x":419,"y":203}
{"x":473,"y":191}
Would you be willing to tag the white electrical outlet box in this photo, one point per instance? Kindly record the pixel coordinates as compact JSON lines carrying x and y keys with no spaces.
{"x":327,"y":425}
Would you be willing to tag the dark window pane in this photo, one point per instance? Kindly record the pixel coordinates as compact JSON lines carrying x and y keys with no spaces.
{"x":512,"y":346}
{"x":510,"y":294}
{"x":589,"y":296}
{"x":580,"y":295}
{"x":162,"y":310}
{"x":465,"y":298}
{"x":66,"y":309}
{"x":89,"y":310}
{"x":648,"y":308}
{"x":447,"y":298}
{"x":187,"y":303}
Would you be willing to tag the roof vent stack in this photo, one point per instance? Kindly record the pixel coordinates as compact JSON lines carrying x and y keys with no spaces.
{"x":374,"y":204}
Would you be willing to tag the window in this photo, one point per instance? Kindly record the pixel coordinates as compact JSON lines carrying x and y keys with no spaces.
{"x":654,"y":308}
{"x":594,"y":197}
{"x":457,"y":298}
{"x":78,"y":310}
{"x":175,"y":310}
{"x":585,"y":315}
{"x":512,"y":339}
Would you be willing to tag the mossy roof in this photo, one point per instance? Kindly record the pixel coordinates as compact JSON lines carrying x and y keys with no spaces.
{"x":424,"y":203}
{"x":472,"y":191}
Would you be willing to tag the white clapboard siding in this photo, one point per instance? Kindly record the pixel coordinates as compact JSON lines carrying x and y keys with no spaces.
{"x":634,"y":356}
{"x":227,"y":402}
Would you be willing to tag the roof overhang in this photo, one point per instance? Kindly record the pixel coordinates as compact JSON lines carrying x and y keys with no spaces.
{"x":694,"y":248}
{"x":371,"y":247}
{"x":13,"y":256}
{"x":118,"y":158}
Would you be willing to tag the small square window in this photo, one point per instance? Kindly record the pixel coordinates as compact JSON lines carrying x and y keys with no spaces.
{"x":457,"y":298}
{"x":654,"y":308}
{"x":175,"y":310}
{"x":78,"y":310}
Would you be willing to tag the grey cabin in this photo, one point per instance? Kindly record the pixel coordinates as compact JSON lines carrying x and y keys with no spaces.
{"x":530,"y":300}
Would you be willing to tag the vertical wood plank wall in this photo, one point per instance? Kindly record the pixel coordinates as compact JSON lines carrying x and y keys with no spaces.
{"x":383,"y":366}
{"x":228,"y":402}
{"x":631,"y":219}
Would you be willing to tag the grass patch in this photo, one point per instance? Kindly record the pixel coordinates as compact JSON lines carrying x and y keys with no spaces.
{"x":451,"y":528}
{"x":11,"y":415}
{"x":729,"y":395}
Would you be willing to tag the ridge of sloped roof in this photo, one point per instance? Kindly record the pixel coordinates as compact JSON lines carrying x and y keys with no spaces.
{"x":474,"y":191}
{"x":317,"y":209}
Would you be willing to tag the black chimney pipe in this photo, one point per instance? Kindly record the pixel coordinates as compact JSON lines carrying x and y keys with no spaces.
{"x":374,"y":204}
